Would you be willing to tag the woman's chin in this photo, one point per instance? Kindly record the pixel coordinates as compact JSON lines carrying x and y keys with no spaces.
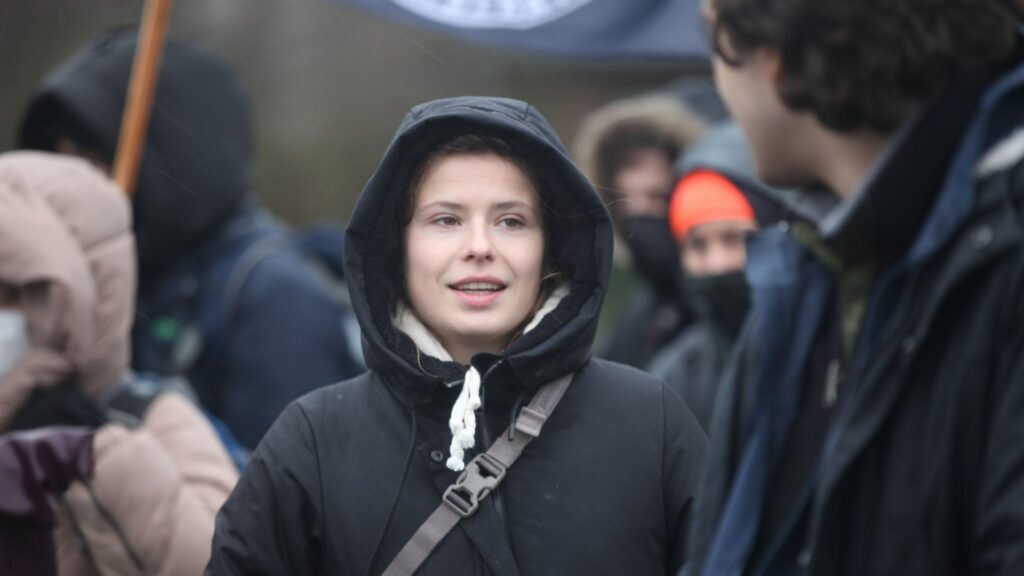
{"x":485,"y":336}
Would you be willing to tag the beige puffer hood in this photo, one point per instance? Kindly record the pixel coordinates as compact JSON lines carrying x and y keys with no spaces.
{"x":661,"y":117}
{"x":66,"y":242}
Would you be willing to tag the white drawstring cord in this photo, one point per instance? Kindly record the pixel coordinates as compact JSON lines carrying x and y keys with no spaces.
{"x":463,"y":420}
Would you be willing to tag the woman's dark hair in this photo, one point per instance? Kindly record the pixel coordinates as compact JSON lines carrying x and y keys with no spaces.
{"x":473,"y":144}
{"x":479,"y":144}
{"x":866,"y":63}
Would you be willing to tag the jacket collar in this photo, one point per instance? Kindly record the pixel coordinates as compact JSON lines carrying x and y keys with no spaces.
{"x":998,"y":108}
{"x":891,"y":206}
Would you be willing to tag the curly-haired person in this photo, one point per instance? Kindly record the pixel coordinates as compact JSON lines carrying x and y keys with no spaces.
{"x":871,"y":422}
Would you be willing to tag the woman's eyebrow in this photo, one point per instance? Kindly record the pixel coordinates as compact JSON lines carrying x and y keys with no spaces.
{"x":456,"y":207}
{"x":513,"y":204}
{"x":442,"y":204}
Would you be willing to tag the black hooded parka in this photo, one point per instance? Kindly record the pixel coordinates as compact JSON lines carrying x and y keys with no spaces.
{"x":349,"y":472}
{"x":225,"y":300}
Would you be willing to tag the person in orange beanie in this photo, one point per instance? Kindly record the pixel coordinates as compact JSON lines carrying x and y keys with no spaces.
{"x":710,"y":216}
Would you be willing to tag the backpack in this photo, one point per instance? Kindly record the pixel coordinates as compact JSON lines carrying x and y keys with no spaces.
{"x":322,"y":247}
{"x":204,"y":306}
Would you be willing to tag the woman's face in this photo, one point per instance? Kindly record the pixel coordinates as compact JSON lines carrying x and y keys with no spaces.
{"x":474,"y":252}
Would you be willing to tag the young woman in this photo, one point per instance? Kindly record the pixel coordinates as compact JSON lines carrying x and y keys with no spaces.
{"x":156,"y":472}
{"x":477,"y":259}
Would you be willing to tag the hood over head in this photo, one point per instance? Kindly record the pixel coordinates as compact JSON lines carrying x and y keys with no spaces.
{"x":195,"y":169}
{"x":701,"y":96}
{"x":579,"y":244}
{"x":607,"y":141}
{"x":66,"y":244}
{"x":724,"y":150}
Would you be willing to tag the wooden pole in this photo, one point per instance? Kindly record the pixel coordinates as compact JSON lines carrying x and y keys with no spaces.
{"x":141,"y":90}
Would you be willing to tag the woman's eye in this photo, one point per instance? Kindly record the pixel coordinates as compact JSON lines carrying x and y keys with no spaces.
{"x":512,"y":222}
{"x":446,"y":221}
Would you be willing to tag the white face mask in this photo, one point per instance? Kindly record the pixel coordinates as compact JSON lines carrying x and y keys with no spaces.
{"x":14,"y":341}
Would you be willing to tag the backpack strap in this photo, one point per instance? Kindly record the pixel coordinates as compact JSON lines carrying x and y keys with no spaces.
{"x":482,"y":476}
{"x":129,"y":402}
{"x":132,"y":399}
{"x":216,"y":315}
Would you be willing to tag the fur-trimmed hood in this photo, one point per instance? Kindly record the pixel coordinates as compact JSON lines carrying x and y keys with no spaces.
{"x":663,"y":116}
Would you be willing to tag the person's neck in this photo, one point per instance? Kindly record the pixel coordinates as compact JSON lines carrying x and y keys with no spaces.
{"x":846,"y":159}
{"x":463,"y":352}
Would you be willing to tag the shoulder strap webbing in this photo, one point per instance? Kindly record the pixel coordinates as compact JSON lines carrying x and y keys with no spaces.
{"x":129,"y":404}
{"x":482,"y":475}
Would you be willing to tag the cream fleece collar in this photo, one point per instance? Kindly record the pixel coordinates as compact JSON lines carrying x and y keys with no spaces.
{"x":463,"y":418}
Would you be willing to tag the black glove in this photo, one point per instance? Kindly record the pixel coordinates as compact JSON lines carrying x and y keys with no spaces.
{"x":58,"y":406}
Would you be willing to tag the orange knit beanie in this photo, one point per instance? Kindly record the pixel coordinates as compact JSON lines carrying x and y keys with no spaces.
{"x":704,"y":196}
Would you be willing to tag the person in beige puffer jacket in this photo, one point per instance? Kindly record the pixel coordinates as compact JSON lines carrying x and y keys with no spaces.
{"x":66,"y":253}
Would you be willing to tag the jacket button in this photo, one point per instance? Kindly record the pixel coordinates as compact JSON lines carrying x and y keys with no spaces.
{"x":804,"y":559}
{"x":189,"y":286}
{"x":437,"y":456}
{"x":982,"y":237}
{"x":909,"y":345}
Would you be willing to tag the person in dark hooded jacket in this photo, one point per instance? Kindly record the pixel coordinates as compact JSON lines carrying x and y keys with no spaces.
{"x":874,"y":416}
{"x":477,"y":257}
{"x":224,"y":299}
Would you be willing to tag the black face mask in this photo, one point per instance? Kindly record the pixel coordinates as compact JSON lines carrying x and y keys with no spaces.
{"x":654,"y":252}
{"x":722,"y":299}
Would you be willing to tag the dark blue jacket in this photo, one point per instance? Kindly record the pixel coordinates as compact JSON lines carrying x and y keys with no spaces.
{"x":250,"y":324}
{"x":921,"y":469}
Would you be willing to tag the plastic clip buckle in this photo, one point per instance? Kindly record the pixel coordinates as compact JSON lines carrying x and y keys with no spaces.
{"x":482,"y":475}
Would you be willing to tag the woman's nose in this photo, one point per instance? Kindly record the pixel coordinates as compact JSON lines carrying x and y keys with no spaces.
{"x":478,"y":244}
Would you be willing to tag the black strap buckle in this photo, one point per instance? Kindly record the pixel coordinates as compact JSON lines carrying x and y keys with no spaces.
{"x":482,"y":475}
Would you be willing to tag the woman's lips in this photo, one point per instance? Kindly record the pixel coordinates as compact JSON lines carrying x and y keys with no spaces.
{"x":478,"y":299}
{"x":478,"y":293}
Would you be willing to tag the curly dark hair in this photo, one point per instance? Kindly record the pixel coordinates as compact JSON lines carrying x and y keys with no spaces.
{"x":866,"y":63}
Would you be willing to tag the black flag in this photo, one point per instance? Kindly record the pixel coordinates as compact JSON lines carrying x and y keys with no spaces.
{"x":592,"y":28}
